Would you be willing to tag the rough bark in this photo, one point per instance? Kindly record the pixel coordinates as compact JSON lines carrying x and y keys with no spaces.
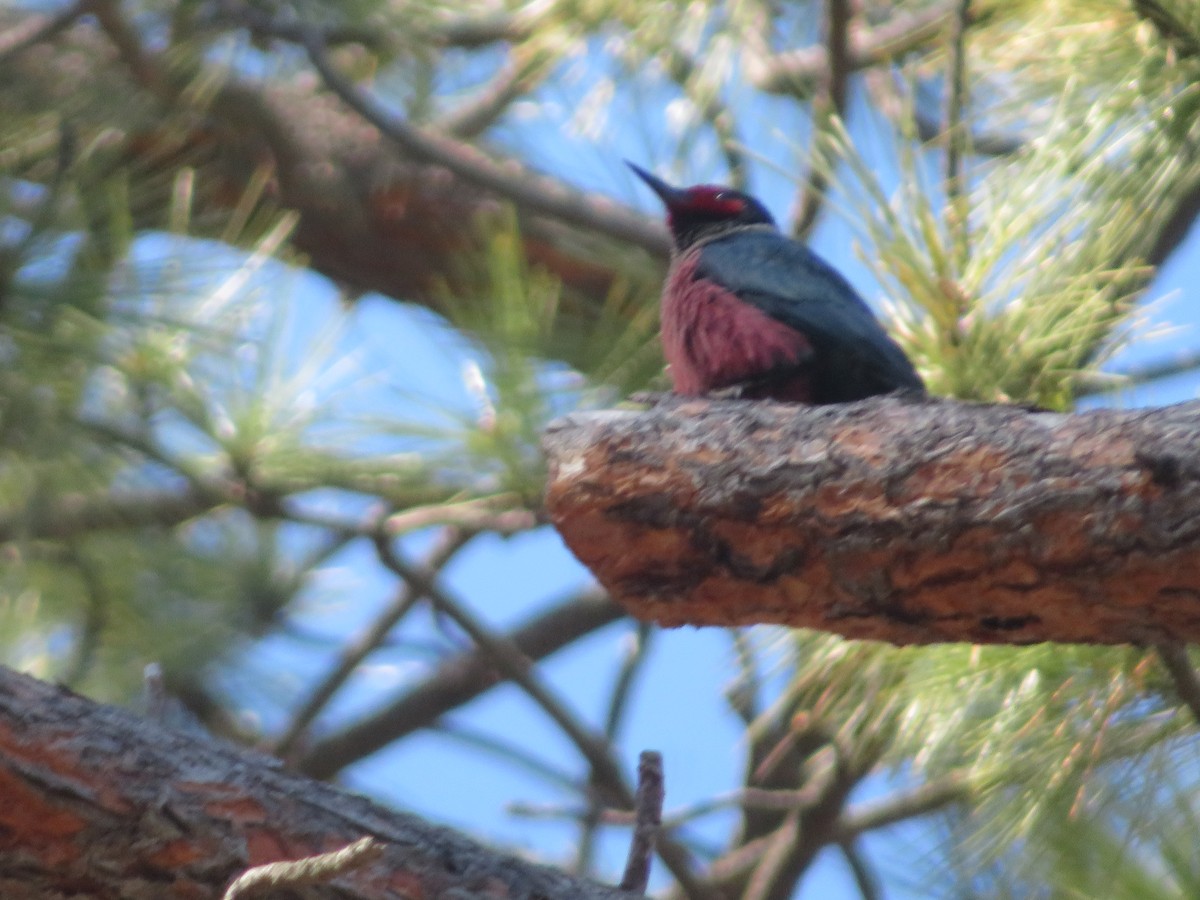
{"x":97,"y":802}
{"x":900,"y":519}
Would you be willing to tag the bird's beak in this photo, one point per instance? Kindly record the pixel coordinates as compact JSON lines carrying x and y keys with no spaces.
{"x":671,"y":196}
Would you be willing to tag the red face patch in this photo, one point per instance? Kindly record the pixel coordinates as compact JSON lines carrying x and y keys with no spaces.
{"x":715,"y":201}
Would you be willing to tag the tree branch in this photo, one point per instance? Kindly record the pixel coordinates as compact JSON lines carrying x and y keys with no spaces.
{"x":902,"y":519}
{"x":535,"y":193}
{"x":957,"y":201}
{"x":371,"y":217}
{"x":944,"y":791}
{"x":647,"y":822}
{"x":506,"y":655}
{"x":829,"y":102}
{"x":864,"y":878}
{"x":455,"y":682}
{"x":798,"y":72}
{"x":95,"y":801}
{"x":365,"y":642}
{"x":516,"y":667}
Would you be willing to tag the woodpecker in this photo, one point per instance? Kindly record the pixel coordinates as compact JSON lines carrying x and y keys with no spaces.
{"x":746,"y":308}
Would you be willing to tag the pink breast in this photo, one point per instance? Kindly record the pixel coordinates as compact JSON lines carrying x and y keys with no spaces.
{"x":713,"y":340}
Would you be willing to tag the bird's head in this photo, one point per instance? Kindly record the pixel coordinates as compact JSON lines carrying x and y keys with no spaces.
{"x":704,"y":211}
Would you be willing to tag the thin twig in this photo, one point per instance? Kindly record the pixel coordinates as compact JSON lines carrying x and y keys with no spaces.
{"x":509,"y":659}
{"x":478,"y":31}
{"x":864,"y":879}
{"x":456,"y":681}
{"x":520,"y":74}
{"x":829,"y":103}
{"x":1175,"y":660}
{"x":634,"y":657}
{"x":946,"y":790}
{"x":75,"y":514}
{"x":568,"y":812}
{"x":1179,"y":364}
{"x":469,"y":32}
{"x":734,"y":863}
{"x":956,"y":138}
{"x":747,"y":798}
{"x":648,"y":811}
{"x":982,"y":143}
{"x":497,"y":514}
{"x":263,"y":24}
{"x":634,"y":660}
{"x":779,"y":847}
{"x":95,"y":615}
{"x":535,"y":193}
{"x":516,"y":666}
{"x":773,"y":800}
{"x":512,"y":753}
{"x":145,"y":67}
{"x":35,"y":30}
{"x":320,"y":869}
{"x":355,"y":651}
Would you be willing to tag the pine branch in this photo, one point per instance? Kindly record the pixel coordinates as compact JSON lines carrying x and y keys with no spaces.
{"x":76,"y":514}
{"x":907,"y":520}
{"x":466,"y":31}
{"x":185,"y":815}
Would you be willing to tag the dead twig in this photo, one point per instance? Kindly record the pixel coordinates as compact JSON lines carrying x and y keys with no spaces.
{"x":648,"y":810}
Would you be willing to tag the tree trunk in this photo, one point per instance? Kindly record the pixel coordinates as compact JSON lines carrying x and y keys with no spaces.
{"x":97,"y":802}
{"x":900,"y":519}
